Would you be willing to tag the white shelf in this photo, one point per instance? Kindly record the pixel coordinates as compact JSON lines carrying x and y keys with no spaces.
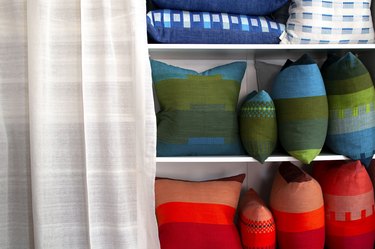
{"x":182,"y":47}
{"x":244,"y":159}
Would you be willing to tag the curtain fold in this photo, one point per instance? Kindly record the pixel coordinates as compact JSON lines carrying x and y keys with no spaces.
{"x":77,"y":125}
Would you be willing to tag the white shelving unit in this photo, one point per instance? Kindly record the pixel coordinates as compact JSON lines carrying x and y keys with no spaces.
{"x":256,"y":47}
{"x":204,"y":56}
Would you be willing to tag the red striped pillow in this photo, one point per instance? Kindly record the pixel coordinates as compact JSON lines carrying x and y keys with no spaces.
{"x":198,"y":215}
{"x":257,"y":226}
{"x":349,"y":204}
{"x":297,"y":205}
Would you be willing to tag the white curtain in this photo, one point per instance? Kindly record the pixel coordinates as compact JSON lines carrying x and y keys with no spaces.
{"x":77,"y":127}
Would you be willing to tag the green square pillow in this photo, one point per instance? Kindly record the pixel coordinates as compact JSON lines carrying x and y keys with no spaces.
{"x":198,"y":110}
{"x":301,"y":108}
{"x":258,"y":128}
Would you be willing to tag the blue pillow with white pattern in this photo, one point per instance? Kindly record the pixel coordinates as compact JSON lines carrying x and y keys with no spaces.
{"x":329,"y":22}
{"x":246,"y":7}
{"x":177,"y":26}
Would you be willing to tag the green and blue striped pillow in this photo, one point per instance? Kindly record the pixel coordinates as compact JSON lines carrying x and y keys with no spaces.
{"x":258,"y":127}
{"x":351,"y":100}
{"x":301,"y":108}
{"x":198,"y":110}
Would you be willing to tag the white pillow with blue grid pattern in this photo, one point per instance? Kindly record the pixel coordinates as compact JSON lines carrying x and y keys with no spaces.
{"x":329,"y":22}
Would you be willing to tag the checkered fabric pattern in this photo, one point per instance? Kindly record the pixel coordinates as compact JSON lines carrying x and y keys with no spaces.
{"x":177,"y":26}
{"x":329,"y":22}
{"x":256,"y":223}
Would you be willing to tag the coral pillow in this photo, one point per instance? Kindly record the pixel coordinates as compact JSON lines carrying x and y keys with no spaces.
{"x":329,"y":21}
{"x":297,"y":205}
{"x":256,"y":223}
{"x":351,"y":102}
{"x":247,"y":7}
{"x":258,"y":127}
{"x":349,"y":204}
{"x":198,"y":113}
{"x":301,"y":108}
{"x":177,"y":26}
{"x":198,"y":215}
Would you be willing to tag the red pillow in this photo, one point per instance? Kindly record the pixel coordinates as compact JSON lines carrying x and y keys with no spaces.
{"x":198,"y":215}
{"x":349,"y":204}
{"x":297,"y":206}
{"x":257,"y":226}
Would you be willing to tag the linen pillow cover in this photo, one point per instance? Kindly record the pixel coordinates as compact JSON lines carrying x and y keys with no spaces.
{"x":329,"y":21}
{"x":257,"y":226}
{"x":198,"y":215}
{"x":177,"y":26}
{"x":246,"y":7}
{"x":297,"y":205}
{"x":301,"y":108}
{"x":349,"y":204}
{"x":198,"y":110}
{"x":258,"y":127}
{"x":351,"y":102}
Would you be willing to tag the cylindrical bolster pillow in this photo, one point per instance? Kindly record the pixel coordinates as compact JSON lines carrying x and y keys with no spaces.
{"x":257,"y":226}
{"x":297,"y":205}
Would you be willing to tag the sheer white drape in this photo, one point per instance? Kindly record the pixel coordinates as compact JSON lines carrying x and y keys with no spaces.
{"x":77,"y":128}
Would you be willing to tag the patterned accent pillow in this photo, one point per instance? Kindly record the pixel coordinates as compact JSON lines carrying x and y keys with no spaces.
{"x":258,"y":127}
{"x":198,"y":215}
{"x":246,"y":7}
{"x":351,"y":102}
{"x":329,"y":21}
{"x":198,"y":110}
{"x":349,"y":204}
{"x":257,"y":226}
{"x":301,"y":108}
{"x":297,"y":206}
{"x":177,"y":26}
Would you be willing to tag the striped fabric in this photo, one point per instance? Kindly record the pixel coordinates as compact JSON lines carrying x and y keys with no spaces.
{"x":351,"y":100}
{"x":349,"y":204}
{"x":198,"y":215}
{"x":177,"y":26}
{"x":258,"y":127}
{"x":297,"y":206}
{"x":247,"y":7}
{"x":198,"y":110}
{"x":257,"y":226}
{"x":302,"y":109}
{"x":329,"y":21}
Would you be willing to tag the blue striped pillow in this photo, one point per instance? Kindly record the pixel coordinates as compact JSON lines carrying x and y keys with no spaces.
{"x":351,"y":100}
{"x":301,"y":108}
{"x":177,"y":26}
{"x":247,"y":7}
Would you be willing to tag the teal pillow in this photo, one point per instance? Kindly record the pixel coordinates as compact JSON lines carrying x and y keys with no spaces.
{"x":198,"y":110}
{"x":351,"y":101}
{"x":301,"y":108}
{"x":258,"y":128}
